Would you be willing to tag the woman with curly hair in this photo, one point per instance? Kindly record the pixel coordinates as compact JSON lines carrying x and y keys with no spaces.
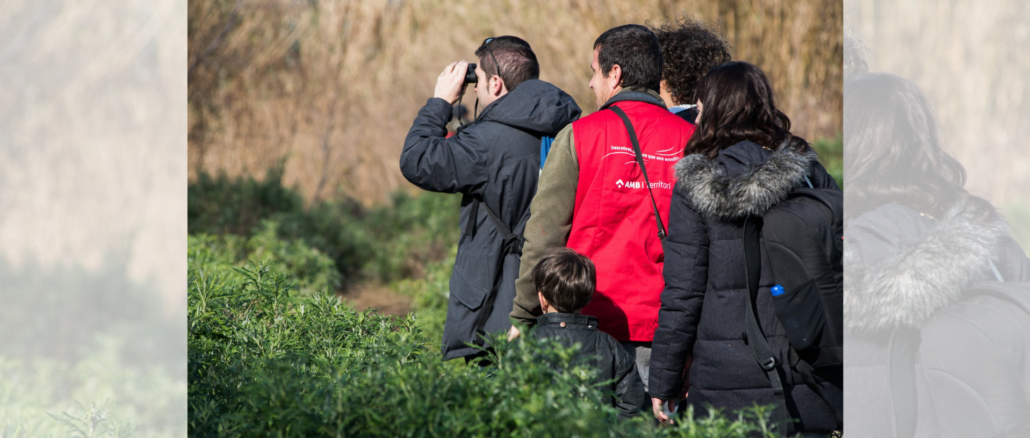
{"x":689,"y":48}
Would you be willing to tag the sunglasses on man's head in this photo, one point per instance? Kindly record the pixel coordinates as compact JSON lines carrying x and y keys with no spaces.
{"x":485,"y":44}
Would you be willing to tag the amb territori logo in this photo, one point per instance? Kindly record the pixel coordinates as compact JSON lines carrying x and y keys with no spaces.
{"x":641,"y":185}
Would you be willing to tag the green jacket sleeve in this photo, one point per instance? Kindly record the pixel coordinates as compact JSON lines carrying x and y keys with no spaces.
{"x":550,"y":220}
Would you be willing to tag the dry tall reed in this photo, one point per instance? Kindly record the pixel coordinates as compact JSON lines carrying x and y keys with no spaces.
{"x":971,"y":60}
{"x":334,"y":86}
{"x":91,"y":134}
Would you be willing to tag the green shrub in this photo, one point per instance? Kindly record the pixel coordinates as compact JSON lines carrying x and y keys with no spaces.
{"x":45,"y":397}
{"x":831,"y":155}
{"x":223,"y":205}
{"x":312,"y":270}
{"x":73,"y":335}
{"x":385,"y":243}
{"x":410,"y":233}
{"x":266,"y":361}
{"x":1018,"y":215}
{"x":57,"y":312}
{"x":430,"y":294}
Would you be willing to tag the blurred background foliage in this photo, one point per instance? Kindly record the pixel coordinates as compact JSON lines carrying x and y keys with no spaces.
{"x":970,"y":59}
{"x":333,"y":86}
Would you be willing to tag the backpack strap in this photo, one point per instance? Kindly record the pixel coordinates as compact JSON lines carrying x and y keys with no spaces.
{"x":755,"y":338}
{"x":901,"y":376}
{"x":512,"y":242}
{"x":470,"y":228}
{"x":640,"y":160}
{"x":545,"y":148}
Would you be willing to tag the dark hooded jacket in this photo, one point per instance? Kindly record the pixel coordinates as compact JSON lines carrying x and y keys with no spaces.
{"x":704,"y":301}
{"x":906,"y":270}
{"x":602,"y":353}
{"x":495,"y":160}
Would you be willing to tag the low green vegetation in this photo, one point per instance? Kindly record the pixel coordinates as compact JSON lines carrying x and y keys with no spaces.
{"x":88,"y":353}
{"x":266,"y":361}
{"x":314,"y":271}
{"x":273,"y":351}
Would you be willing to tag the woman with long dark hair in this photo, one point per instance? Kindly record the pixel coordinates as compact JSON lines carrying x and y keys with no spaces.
{"x":741,"y":161}
{"x":926,"y":355}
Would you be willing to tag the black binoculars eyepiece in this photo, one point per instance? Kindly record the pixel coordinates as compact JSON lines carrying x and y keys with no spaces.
{"x":470,"y":75}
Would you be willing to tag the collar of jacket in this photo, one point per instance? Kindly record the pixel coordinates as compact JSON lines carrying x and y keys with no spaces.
{"x":635,"y":95}
{"x":922,"y":271}
{"x":571,"y":320}
{"x":743,"y":180}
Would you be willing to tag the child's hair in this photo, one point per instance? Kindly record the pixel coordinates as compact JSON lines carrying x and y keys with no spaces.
{"x":566,"y":279}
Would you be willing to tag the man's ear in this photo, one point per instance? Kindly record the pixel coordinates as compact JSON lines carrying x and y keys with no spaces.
{"x":543,"y":301}
{"x":614,"y":77}
{"x":497,"y":85}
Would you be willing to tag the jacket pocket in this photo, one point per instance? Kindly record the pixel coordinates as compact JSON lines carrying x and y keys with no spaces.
{"x":467,"y":293}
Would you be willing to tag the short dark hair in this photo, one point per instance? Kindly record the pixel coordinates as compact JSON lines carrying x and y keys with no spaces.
{"x":566,"y":278}
{"x":689,"y":49}
{"x":518,"y":62}
{"x":637,"y":52}
{"x":739,"y":105}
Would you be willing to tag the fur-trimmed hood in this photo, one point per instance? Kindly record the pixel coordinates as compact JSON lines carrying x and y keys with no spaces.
{"x":744,"y":179}
{"x":900,"y":266}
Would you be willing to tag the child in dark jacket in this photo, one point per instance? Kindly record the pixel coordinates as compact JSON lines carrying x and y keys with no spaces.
{"x":565,"y":282}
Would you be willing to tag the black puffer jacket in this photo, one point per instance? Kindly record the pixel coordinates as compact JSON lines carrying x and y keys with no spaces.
{"x":903,"y":270}
{"x":605,"y":354}
{"x":704,"y":301}
{"x":496,"y":160}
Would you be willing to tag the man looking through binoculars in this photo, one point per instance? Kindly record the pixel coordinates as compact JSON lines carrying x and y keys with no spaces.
{"x":494,"y":162}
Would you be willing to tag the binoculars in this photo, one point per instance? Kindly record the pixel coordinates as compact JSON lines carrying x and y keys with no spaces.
{"x":470,"y":75}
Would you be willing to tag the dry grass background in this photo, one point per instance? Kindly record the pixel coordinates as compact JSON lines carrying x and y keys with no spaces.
{"x":333,"y":86}
{"x":971,"y":60}
{"x":91,"y":135}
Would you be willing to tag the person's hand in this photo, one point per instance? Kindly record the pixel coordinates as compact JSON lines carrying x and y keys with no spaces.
{"x":513,"y":333}
{"x":686,"y":378}
{"x":659,"y":413}
{"x":449,"y":83}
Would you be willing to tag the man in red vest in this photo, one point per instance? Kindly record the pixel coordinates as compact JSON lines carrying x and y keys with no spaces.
{"x":594,"y":197}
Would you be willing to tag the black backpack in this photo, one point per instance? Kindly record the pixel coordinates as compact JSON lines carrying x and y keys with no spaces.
{"x":905,"y":342}
{"x":804,"y":241}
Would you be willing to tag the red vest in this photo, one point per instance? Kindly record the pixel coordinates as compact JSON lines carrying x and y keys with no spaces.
{"x":613,"y":221}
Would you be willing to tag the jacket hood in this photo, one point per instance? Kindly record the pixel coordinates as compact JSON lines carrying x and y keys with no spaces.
{"x":534,"y":105}
{"x":744,"y":179}
{"x":900,"y":267}
{"x":634,"y":94}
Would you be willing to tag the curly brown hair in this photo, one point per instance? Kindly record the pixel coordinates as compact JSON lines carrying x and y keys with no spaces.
{"x":689,"y":48}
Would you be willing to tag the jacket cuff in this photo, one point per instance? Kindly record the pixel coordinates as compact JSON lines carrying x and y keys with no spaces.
{"x":520,"y":315}
{"x":656,"y":386}
{"x":438,"y":104}
{"x":439,"y":109}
